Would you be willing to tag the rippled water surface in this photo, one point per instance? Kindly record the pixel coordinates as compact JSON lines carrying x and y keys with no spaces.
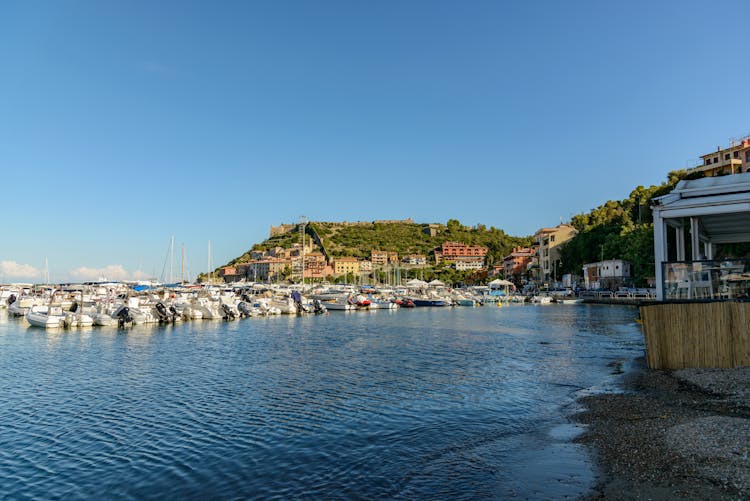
{"x":428,"y":402}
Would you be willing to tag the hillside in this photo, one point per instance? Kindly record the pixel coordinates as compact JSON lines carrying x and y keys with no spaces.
{"x":361,"y":238}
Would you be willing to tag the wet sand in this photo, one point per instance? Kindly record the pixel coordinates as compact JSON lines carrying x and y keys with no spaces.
{"x":671,"y":435}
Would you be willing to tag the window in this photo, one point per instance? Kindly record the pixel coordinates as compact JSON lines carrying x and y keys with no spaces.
{"x":736,"y":154}
{"x":708,"y":161}
{"x":726,"y":157}
{"x":716,"y":160}
{"x":747,"y":156}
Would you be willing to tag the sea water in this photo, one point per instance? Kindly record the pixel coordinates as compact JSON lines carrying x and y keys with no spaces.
{"x":427,"y":402}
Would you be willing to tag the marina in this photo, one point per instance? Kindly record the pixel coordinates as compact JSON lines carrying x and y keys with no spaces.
{"x":457,"y":402}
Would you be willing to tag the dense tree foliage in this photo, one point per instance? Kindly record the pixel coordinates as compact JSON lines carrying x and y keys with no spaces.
{"x":618,"y":230}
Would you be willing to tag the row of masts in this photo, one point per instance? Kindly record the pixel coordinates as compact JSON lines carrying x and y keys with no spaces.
{"x":182,"y":261}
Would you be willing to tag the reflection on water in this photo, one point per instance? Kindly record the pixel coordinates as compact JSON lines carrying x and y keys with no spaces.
{"x":461,"y":403}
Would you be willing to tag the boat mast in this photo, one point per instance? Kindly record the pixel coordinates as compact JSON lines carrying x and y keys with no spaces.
{"x":182,"y":266}
{"x":303,"y":222}
{"x":209,"y":262}
{"x":171,"y":258}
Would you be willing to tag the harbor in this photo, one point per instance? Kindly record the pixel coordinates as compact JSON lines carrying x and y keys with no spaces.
{"x":409,"y":403}
{"x":124,"y":305}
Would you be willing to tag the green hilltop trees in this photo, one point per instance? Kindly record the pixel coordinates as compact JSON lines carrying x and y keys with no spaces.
{"x":621,"y":229}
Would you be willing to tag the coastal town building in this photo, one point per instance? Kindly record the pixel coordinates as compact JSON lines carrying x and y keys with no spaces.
{"x":229,"y":274}
{"x":463,"y":264}
{"x":383,"y":258}
{"x":609,"y":274}
{"x":365,"y":266}
{"x":268,"y":268}
{"x":547,"y":242}
{"x":725,"y":161}
{"x":315,"y":265}
{"x":414,"y":260}
{"x":345,"y":265}
{"x":517,"y":262}
{"x":457,"y":251}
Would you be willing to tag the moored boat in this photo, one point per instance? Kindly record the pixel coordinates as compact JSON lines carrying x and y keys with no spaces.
{"x":569,"y":300}
{"x":48,"y":317}
{"x":429,"y":302}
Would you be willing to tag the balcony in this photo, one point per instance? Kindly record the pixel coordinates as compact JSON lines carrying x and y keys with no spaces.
{"x":714,"y":280}
{"x":734,"y":166}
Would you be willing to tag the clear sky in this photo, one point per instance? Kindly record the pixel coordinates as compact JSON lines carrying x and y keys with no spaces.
{"x":125,"y":123}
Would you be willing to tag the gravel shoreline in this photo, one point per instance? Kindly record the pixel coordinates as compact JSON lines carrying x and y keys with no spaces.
{"x":671,"y":435}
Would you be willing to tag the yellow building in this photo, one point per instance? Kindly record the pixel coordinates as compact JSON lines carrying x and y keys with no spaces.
{"x":382,"y":258}
{"x":344,"y":265}
{"x":547,"y":242}
{"x":732,"y":160}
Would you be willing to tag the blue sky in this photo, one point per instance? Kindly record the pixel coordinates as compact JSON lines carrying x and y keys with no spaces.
{"x":126,"y":123}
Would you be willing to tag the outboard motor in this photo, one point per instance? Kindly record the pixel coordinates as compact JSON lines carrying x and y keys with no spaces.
{"x":318,"y":307}
{"x":244,"y":309}
{"x":74,"y":307}
{"x":161,"y":311}
{"x":228,"y":313}
{"x":124,"y":317}
{"x":173,"y":312}
{"x":246,"y":298}
{"x":11,"y":299}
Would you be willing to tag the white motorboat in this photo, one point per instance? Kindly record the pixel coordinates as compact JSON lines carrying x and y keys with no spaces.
{"x":541,"y":299}
{"x":382,"y":304}
{"x":340,"y":303}
{"x":77,"y":319}
{"x":22,"y":304}
{"x":48,"y":317}
{"x":569,"y":300}
{"x":208,"y":308}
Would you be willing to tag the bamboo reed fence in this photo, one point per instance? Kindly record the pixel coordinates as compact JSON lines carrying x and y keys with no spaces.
{"x":681,"y":335}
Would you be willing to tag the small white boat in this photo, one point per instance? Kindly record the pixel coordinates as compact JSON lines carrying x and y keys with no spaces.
{"x":48,"y":317}
{"x":341,"y":303}
{"x":541,"y":299}
{"x":569,"y":300}
{"x":103,"y":319}
{"x":209,"y":309}
{"x":382,"y":304}
{"x":21,"y":305}
{"x":77,"y":319}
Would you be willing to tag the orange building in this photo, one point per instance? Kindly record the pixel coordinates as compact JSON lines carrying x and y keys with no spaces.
{"x":516,"y":263}
{"x":458,"y":249}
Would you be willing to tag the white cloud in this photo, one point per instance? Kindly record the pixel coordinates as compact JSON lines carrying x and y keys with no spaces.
{"x":110,"y":272}
{"x":15,"y":270}
{"x":140,"y":275}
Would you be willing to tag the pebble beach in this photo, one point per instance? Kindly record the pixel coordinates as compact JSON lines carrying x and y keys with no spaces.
{"x":671,"y":435}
